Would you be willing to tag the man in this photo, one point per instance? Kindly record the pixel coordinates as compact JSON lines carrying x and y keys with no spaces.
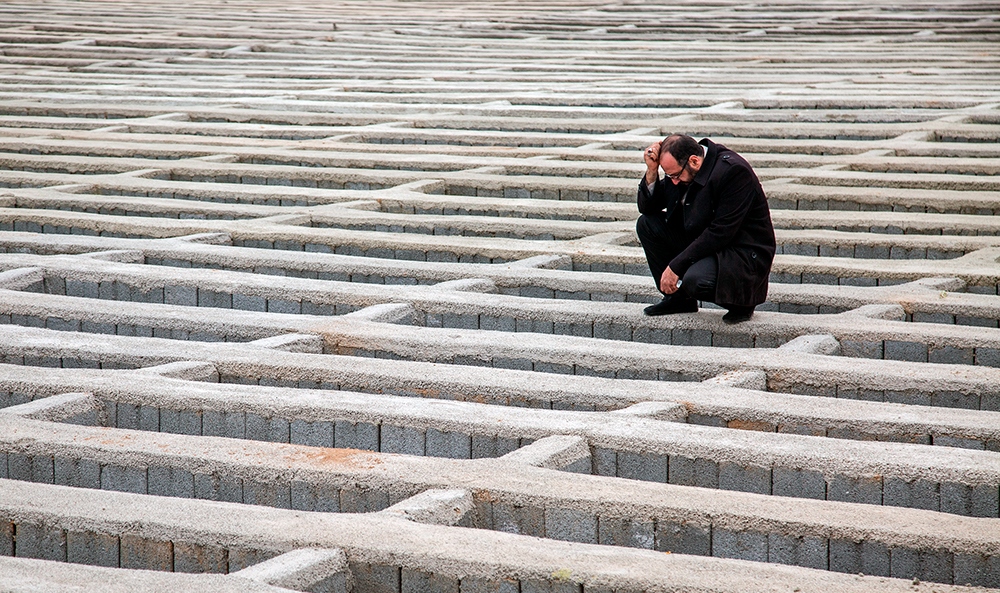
{"x":705,"y":227}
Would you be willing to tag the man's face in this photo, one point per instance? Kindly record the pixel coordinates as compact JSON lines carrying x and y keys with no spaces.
{"x":682,"y":172}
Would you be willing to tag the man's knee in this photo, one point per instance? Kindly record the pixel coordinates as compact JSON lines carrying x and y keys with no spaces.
{"x":642,"y":227}
{"x":700,"y":280}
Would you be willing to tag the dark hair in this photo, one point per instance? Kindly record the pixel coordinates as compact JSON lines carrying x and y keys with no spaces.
{"x":680,"y":147}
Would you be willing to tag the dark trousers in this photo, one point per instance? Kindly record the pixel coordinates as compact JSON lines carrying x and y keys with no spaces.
{"x":661,"y":246}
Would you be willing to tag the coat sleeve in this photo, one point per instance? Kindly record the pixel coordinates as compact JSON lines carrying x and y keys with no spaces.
{"x":735,"y":193}
{"x":650,"y":203}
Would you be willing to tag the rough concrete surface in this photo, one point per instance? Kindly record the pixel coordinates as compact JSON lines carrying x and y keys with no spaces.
{"x":347,"y":297}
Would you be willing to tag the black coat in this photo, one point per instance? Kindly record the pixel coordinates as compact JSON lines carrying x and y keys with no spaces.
{"x":725,"y":213}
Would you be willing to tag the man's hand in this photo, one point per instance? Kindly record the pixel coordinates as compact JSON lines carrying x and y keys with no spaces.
{"x":668,"y":281}
{"x":652,"y":157}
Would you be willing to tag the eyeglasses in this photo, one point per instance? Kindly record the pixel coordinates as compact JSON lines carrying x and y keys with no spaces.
{"x":678,"y":174}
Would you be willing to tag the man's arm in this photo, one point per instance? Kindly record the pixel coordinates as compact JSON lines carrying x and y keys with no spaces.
{"x":737,"y":191}
{"x":648,"y":201}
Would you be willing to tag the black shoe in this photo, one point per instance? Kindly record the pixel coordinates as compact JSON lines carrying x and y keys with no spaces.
{"x":738,"y":315}
{"x":670,"y":305}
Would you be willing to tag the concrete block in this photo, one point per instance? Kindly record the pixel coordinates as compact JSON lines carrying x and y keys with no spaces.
{"x":875,"y":558}
{"x":681,"y":470}
{"x":170,"y":421}
{"x":453,"y":445}
{"x":127,"y":416}
{"x":60,"y":324}
{"x":149,"y":418}
{"x":258,"y":428}
{"x":322,"y":498}
{"x":929,"y":565}
{"x":559,"y":583}
{"x":42,"y":469}
{"x":235,"y":425}
{"x":196,"y":558}
{"x":313,"y":434}
{"x":743,"y":545}
{"x":82,"y":288}
{"x":617,"y":331}
{"x":489,"y":446}
{"x":975,"y":569}
{"x":375,"y":578}
{"x":845,"y":556}
{"x":212,"y":423}
{"x":917,"y":494}
{"x":989,"y":357}
{"x":249,"y":303}
{"x":123,"y":479}
{"x":859,"y":349}
{"x":798,"y":483}
{"x":956,"y":399}
{"x":482,"y":585}
{"x":605,"y":461}
{"x":959,"y":443}
{"x":240,"y":558}
{"x":870,"y":558}
{"x":284,"y":306}
{"x":571,"y":525}
{"x":650,"y":467}
{"x":186,"y":296}
{"x":908,"y":397}
{"x":6,"y":538}
{"x":39,"y":541}
{"x":518,"y":519}
{"x":274,"y":493}
{"x":279,"y":430}
{"x":811,"y":552}
{"x":521,"y":364}
{"x":612,"y":531}
{"x":863,"y":490}
{"x":733,"y":476}
{"x":211,"y":298}
{"x":361,"y":435}
{"x":701,"y":337}
{"x":461,"y":321}
{"x":552,"y":367}
{"x":976,"y":321}
{"x":95,"y":549}
{"x":362,"y":500}
{"x":402,"y":439}
{"x":170,"y":481}
{"x":684,"y":538}
{"x":80,"y":473}
{"x":911,"y":351}
{"x":732,"y":340}
{"x":951,"y":355}
{"x":222,"y":488}
{"x":311,"y":308}
{"x":972,"y":501}
{"x":92,"y":327}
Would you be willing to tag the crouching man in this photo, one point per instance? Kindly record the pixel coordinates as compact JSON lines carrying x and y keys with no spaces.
{"x":705,"y":227}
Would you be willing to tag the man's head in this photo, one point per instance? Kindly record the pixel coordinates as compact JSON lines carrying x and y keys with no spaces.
{"x":680,"y":158}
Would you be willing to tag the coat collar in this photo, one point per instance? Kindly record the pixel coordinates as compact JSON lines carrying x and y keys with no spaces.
{"x":708,"y":164}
